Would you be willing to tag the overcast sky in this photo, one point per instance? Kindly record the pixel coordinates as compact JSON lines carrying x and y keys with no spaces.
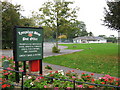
{"x":91,"y":12}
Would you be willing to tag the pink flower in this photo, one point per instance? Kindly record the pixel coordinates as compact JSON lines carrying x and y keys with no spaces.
{"x":103,"y":77}
{"x":79,"y":86}
{"x":69,"y":88}
{"x":3,"y":57}
{"x":6,"y":56}
{"x":6,"y":73}
{"x":107,"y":75}
{"x":73,"y":77}
{"x":56,"y":88}
{"x":9,"y":68}
{"x":21,"y":70}
{"x":73,"y":70}
{"x":37,"y":78}
{"x":45,"y":86}
{"x":10,"y":73}
{"x":41,"y":77}
{"x":111,"y":78}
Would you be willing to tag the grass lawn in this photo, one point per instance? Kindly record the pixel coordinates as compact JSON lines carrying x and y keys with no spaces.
{"x":101,"y":58}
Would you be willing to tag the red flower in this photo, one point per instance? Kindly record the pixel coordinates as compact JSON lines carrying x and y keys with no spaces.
{"x":56,"y":71}
{"x":51,"y":75}
{"x":91,"y":86}
{"x":4,"y":70}
{"x":88,"y":76}
{"x":117,"y":79}
{"x":112,"y":78}
{"x":50,"y":71}
{"x":102,"y":82}
{"x":83,"y":73}
{"x":116,"y":83}
{"x":106,"y":80}
{"x":4,"y":86}
{"x":8,"y":85}
{"x":111,"y":81}
{"x":92,"y":74}
{"x":41,"y":77}
{"x":93,"y":80}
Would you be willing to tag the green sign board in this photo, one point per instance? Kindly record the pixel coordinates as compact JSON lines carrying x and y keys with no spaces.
{"x":28,"y":43}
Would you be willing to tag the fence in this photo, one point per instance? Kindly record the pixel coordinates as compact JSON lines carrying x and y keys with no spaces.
{"x":22,"y":86}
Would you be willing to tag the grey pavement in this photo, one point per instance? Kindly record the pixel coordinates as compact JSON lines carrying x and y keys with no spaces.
{"x":47,"y":52}
{"x":65,"y":69}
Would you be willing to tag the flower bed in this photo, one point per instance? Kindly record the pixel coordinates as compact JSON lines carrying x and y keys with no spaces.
{"x":44,"y":82}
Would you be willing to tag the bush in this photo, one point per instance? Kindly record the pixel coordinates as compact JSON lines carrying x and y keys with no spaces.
{"x":55,"y":50}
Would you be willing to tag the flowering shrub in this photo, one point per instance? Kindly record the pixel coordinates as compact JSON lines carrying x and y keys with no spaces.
{"x":43,"y":82}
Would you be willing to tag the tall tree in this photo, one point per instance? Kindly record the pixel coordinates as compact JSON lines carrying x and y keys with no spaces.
{"x":58,"y":16}
{"x":10,"y":18}
{"x":27,"y":22}
{"x":79,"y":29}
{"x":112,"y":15}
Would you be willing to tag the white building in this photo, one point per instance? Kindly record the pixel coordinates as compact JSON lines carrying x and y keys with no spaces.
{"x":89,"y":39}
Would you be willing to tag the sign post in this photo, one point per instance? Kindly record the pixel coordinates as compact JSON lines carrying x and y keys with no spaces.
{"x":28,"y":45}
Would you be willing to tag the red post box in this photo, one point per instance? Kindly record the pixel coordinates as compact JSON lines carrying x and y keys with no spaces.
{"x":34,"y":65}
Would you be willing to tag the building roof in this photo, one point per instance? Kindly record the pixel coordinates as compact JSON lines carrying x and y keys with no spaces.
{"x":89,"y":38}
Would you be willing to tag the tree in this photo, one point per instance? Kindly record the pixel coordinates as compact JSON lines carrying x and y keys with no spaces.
{"x":80,"y":29}
{"x":102,"y":36}
{"x":112,"y":39}
{"x":90,"y":34}
{"x":27,"y":22}
{"x":58,"y":17}
{"x":10,"y":18}
{"x":112,"y":15}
